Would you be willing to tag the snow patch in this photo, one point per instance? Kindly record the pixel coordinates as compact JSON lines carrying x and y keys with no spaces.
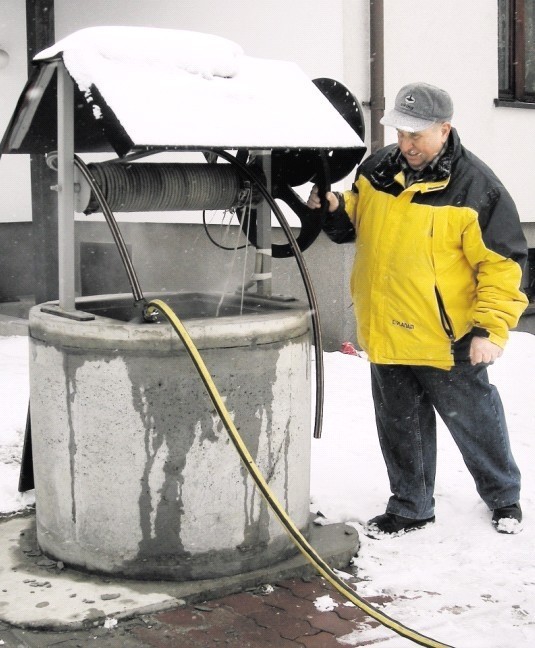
{"x":110,"y":623}
{"x":509,"y":525}
{"x":325,"y":603}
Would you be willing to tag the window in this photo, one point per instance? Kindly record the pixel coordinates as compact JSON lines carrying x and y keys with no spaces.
{"x":516,"y":52}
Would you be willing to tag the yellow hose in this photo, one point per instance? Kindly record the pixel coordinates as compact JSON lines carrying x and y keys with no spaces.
{"x":297,"y":537}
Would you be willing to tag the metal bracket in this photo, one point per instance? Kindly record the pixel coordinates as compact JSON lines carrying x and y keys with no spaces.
{"x":79,"y":316}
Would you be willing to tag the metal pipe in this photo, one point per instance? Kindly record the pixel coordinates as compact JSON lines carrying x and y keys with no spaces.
{"x":66,"y":269}
{"x":377,"y":74}
{"x":263,"y":231}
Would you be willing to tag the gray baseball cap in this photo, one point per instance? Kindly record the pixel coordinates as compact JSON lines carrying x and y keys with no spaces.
{"x":418,"y":106}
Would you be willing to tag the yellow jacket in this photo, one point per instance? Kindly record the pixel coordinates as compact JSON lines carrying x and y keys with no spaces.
{"x":434,"y":261}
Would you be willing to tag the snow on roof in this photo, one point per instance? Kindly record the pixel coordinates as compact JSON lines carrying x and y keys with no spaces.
{"x":181,"y":88}
{"x":193,"y":52}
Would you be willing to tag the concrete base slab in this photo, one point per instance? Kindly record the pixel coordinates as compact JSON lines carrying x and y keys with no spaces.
{"x":39,"y":593}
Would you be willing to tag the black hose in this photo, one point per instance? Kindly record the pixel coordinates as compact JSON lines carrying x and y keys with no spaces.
{"x":311,"y":295}
{"x":212,"y":239}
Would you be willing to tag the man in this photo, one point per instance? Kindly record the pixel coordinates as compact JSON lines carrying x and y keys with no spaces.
{"x":436,"y":288}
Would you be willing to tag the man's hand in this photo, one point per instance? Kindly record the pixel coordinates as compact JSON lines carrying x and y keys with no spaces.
{"x":483,"y":350}
{"x":315,"y":203}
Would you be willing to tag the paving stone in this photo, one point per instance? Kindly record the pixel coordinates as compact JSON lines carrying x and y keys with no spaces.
{"x":321,"y":640}
{"x":184,"y":617}
{"x":242,"y":635}
{"x":287,"y":626}
{"x":308,"y":589}
{"x":198,"y":626}
{"x":285,"y":618}
{"x":379,"y":600}
{"x":331,"y":622}
{"x":351,"y":612}
{"x":264,"y":637}
{"x":77,"y":639}
{"x":296,"y":607}
{"x":161,"y":638}
{"x":167,"y":639}
{"x":281,"y":598}
{"x":189,"y":638}
{"x":243,"y":603}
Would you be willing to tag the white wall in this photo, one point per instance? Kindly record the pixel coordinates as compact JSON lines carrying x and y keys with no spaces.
{"x":326,"y":38}
{"x":275,"y":29}
{"x":454,"y":45}
{"x":15,"y":197}
{"x":308,"y":32}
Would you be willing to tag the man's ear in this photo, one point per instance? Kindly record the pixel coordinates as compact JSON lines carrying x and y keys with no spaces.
{"x":445,"y":129}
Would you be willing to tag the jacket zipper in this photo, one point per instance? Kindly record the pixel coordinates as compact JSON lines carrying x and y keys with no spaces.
{"x":444,"y":319}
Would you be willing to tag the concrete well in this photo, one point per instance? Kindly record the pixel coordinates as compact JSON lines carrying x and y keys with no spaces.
{"x":135,"y":474}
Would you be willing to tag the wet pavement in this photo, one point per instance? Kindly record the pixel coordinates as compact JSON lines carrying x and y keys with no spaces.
{"x":43,"y":603}
{"x":297,"y":612}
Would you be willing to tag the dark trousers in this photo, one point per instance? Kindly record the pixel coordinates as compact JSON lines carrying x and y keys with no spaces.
{"x":406,"y":398}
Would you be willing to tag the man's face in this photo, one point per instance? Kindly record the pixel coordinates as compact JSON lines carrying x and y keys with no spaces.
{"x":421,"y":147}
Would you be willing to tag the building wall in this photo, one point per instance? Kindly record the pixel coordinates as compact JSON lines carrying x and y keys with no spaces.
{"x":451,"y":44}
{"x":309,"y":32}
{"x":15,"y":197}
{"x":454,"y":45}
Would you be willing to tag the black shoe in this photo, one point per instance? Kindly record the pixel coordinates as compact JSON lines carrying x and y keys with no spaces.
{"x":390,"y":524}
{"x":508,"y":519}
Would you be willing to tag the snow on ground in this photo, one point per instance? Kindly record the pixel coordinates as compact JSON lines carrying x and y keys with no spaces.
{"x":14,"y":395}
{"x":458,"y":581}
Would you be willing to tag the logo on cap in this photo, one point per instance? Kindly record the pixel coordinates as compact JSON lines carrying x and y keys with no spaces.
{"x":410,"y":99}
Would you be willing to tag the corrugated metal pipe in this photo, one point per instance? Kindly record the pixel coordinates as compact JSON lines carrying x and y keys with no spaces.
{"x":167,"y":187}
